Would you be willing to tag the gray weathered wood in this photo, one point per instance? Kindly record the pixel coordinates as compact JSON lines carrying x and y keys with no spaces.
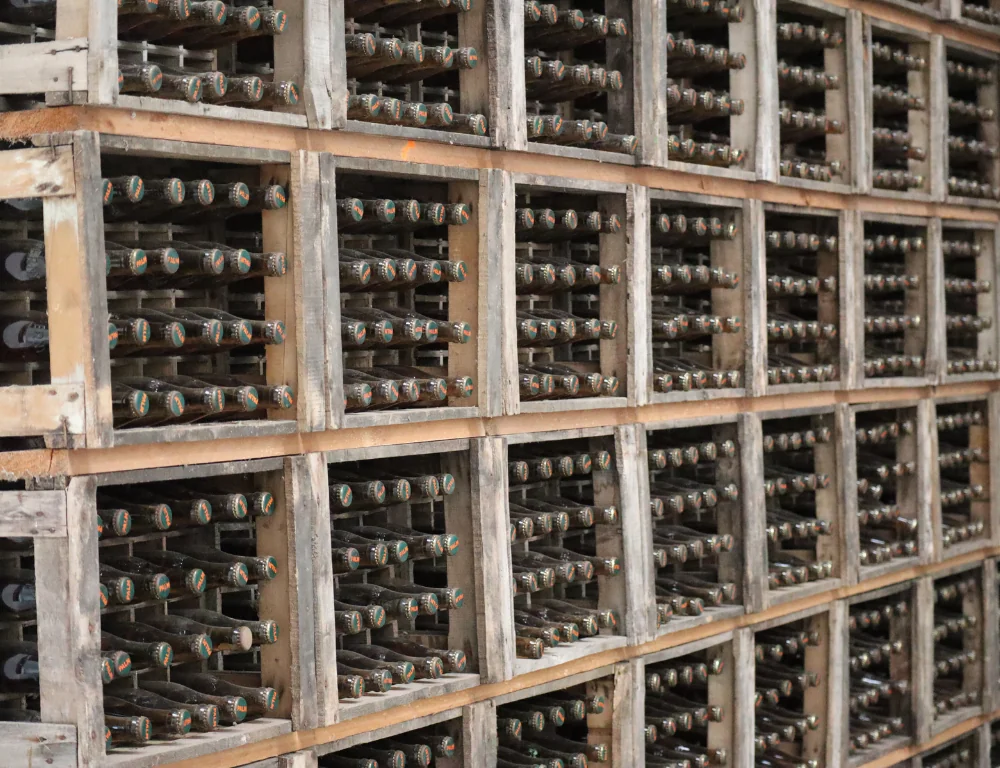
{"x":479,"y":734}
{"x":27,"y":745}
{"x":767,"y":145}
{"x":649,"y":54}
{"x":755,"y":277}
{"x":751,"y":436}
{"x":94,"y":26}
{"x":69,"y":623}
{"x":636,"y":581}
{"x":628,"y":706}
{"x":744,"y":694}
{"x":923,"y":660}
{"x":333,"y":379}
{"x":847,"y":450}
{"x":33,"y":513}
{"x":498,"y":92}
{"x":639,"y":309}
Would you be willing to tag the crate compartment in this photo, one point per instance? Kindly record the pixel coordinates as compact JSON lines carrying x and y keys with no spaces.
{"x":894,"y":278}
{"x":792,"y":683}
{"x":803,"y":271}
{"x":403,"y":579}
{"x":405,"y":248}
{"x":438,"y":744}
{"x":415,"y":67}
{"x":800,"y":487}
{"x":571,"y":326}
{"x":711,"y":60}
{"x":880,"y":666}
{"x":579,"y":76}
{"x":814,"y":115}
{"x":567,"y":552}
{"x":957,"y":659}
{"x":888,"y":487}
{"x":696,"y":499}
{"x":196,"y":572}
{"x":698,"y":305}
{"x":963,"y":472}
{"x":968,"y":258}
{"x":899,"y":93}
{"x":223,"y":60}
{"x":963,"y":751}
{"x":973,"y":161}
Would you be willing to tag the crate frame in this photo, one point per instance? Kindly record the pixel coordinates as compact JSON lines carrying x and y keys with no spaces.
{"x":79,"y":66}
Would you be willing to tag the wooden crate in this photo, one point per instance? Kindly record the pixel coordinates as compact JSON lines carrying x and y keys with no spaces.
{"x":612,"y":480}
{"x":804,"y":362}
{"x":823,"y":658}
{"x":76,"y":231}
{"x":76,"y":60}
{"x":984,"y":127}
{"x":979,"y":16}
{"x":627,"y":111}
{"x":716,"y":363}
{"x":971,"y":749}
{"x":893,"y":281}
{"x":949,"y":538}
{"x":908,"y":494}
{"x":458,"y":364}
{"x":862,"y":635}
{"x":729,"y":690}
{"x":666,"y":494}
{"x":471,"y":83}
{"x":968,"y":680}
{"x":819,"y":562}
{"x":462,"y":513}
{"x":836,"y":156}
{"x":612,"y":356}
{"x":746,"y":30}
{"x":618,"y":726}
{"x":450,"y":728}
{"x":917,"y":152}
{"x":960,"y":353}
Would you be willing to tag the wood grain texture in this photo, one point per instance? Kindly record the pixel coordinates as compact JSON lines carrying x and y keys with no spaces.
{"x":39,"y":514}
{"x":36,"y":172}
{"x":28,"y":745}
{"x":57,"y":65}
{"x":632,"y":463}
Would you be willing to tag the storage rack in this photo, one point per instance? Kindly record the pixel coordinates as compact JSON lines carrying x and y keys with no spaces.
{"x":62,"y":449}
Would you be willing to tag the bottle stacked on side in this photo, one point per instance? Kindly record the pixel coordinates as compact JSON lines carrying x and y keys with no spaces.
{"x":392,"y":597}
{"x":551,"y":730}
{"x":162,"y":235}
{"x":681,"y":715}
{"x":783,"y":681}
{"x":886,"y":480}
{"x":967,"y":256}
{"x":396,"y":325}
{"x":800,"y":499}
{"x":961,"y":753}
{"x":981,"y":13}
{"x":895,"y":303}
{"x":405,"y":62}
{"x":802,"y":297}
{"x":559,"y":319}
{"x":958,"y":663}
{"x":424,"y":747}
{"x":899,"y":161}
{"x":694,"y":496}
{"x":697,"y":306}
{"x":161,"y":560}
{"x":702,"y":68}
{"x":574,"y":104}
{"x":963,"y":467}
{"x":972,"y":116}
{"x":810,"y":82}
{"x":879,"y":660}
{"x":187,"y":36}
{"x":559,"y":545}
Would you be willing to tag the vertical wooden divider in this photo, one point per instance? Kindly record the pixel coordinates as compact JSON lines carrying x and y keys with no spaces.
{"x":755,"y":277}
{"x":927,"y":483}
{"x":648,"y":58}
{"x":847,"y":453}
{"x":305,"y":52}
{"x":923,"y":659}
{"x":744,"y":697}
{"x":751,"y":436}
{"x":498,"y":88}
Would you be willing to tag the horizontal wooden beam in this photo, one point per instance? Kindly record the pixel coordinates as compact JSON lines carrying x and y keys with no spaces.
{"x":59,"y":65}
{"x":41,"y":409}
{"x":45,"y":172}
{"x":897,"y":756}
{"x":28,"y":745}
{"x":19,"y":125}
{"x":40,"y":514}
{"x":430,"y":706}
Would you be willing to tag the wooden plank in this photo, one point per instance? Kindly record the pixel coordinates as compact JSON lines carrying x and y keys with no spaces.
{"x":755,"y":277}
{"x":744,"y":695}
{"x":26,"y":745}
{"x":936,"y":357}
{"x":993,"y":469}
{"x":76,"y":291}
{"x":853,"y":95}
{"x":837,"y":686}
{"x":304,"y":53}
{"x":847,"y":452}
{"x":498,"y":91}
{"x":39,"y":514}
{"x":639,"y":297}
{"x":628,"y":708}
{"x":639,"y":574}
{"x":97,"y":24}
{"x":69,"y":622}
{"x":467,"y":243}
{"x":491,"y":541}
{"x":55,"y":410}
{"x":648,"y":55}
{"x":304,"y":759}
{"x":751,"y":437}
{"x":333,"y":365}
{"x":617,"y":301}
{"x":36,"y":172}
{"x":923,"y":660}
{"x":991,"y":646}
{"x":479,"y":735}
{"x":927,"y":472}
{"x":56,"y":65}
{"x":760,"y":53}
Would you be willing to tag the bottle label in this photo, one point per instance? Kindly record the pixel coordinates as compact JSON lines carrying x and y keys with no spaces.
{"x":24,"y":334}
{"x":20,"y":666}
{"x":18,"y":598}
{"x":24,"y":266}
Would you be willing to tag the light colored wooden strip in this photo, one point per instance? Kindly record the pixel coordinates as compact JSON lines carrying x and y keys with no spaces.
{"x":304,"y":53}
{"x":36,"y":172}
{"x":57,"y":65}
{"x":628,"y":709}
{"x":616,"y":300}
{"x":936,"y":355}
{"x":847,"y":451}
{"x":850,"y":243}
{"x":993,"y":469}
{"x":56,"y":410}
{"x":838,"y":686}
{"x":649,"y":97}
{"x":479,"y":735}
{"x":755,"y":278}
{"x":632,"y":463}
{"x":69,"y":623}
{"x":744,"y":694}
{"x":27,"y":745}
{"x":95,"y":25}
{"x":33,"y":513}
{"x":333,"y":366}
{"x":638,"y":310}
{"x":466,"y":243}
{"x":855,"y":96}
{"x":751,"y":443}
{"x":764,"y":44}
{"x":927,"y":471}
